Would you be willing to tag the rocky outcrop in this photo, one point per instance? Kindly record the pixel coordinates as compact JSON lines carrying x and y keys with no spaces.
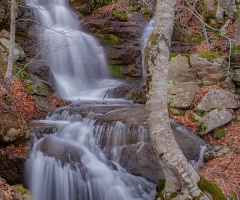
{"x":218,"y":98}
{"x":226,"y":8}
{"x":180,"y":71}
{"x":18,"y":52}
{"x":207,"y":71}
{"x":214,"y":119}
{"x":13,"y":128}
{"x":215,"y":152}
{"x":182,"y":95}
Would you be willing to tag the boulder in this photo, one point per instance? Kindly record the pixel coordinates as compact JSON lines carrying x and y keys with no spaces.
{"x":180,"y":71}
{"x":235,"y":58}
{"x":226,"y":8}
{"x":236,"y":77}
{"x":215,"y":152}
{"x":13,"y":128}
{"x":42,"y":71}
{"x":214,"y":119}
{"x":207,"y":71}
{"x":218,"y":98}
{"x":140,"y":160}
{"x":228,"y":85}
{"x":18,"y":52}
{"x":182,"y":95}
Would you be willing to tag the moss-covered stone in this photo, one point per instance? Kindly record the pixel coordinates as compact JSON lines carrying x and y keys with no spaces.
{"x":211,"y":188}
{"x":111,"y":39}
{"x":219,"y":133}
{"x":208,"y":55}
{"x":116,"y":70}
{"x":121,"y":15}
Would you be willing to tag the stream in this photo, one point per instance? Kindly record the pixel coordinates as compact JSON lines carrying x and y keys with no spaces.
{"x":88,"y":150}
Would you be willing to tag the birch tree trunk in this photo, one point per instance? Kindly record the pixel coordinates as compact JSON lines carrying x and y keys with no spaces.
{"x":8,"y":74}
{"x":179,"y":174}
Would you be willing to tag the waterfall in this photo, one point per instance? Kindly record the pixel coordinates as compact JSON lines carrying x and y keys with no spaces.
{"x":146,"y":34}
{"x":76,"y":59}
{"x":70,"y":165}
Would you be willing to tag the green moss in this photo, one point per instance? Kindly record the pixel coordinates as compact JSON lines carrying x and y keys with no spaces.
{"x":235,"y":48}
{"x":116,"y":70}
{"x":21,"y":189}
{"x":131,"y":8}
{"x":208,"y":55}
{"x":111,"y":39}
{"x":235,"y":119}
{"x":206,"y":112}
{"x":160,"y":188}
{"x":219,"y":133}
{"x":201,"y":127}
{"x":120,"y":15}
{"x":29,"y":88}
{"x":211,"y":188}
{"x":4,"y":48}
{"x":193,"y":119}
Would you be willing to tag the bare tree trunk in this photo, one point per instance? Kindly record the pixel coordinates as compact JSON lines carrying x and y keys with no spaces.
{"x":180,"y":175}
{"x":8,"y":74}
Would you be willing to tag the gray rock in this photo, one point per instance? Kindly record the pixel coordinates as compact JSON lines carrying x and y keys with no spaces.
{"x":180,"y":71}
{"x":218,"y":98}
{"x":226,"y":8}
{"x":215,"y":152}
{"x":182,"y":95}
{"x":235,"y":58}
{"x":208,"y":72}
{"x":228,"y":85}
{"x":18,"y":52}
{"x":236,"y":77}
{"x":214,"y":119}
{"x":13,"y":128}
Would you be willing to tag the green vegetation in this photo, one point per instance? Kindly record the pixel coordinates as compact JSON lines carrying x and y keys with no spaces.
{"x":21,"y":189}
{"x":193,"y":119}
{"x":211,"y":188}
{"x":160,"y":188}
{"x":116,"y":70}
{"x":208,"y":55}
{"x":111,"y":39}
{"x":176,"y":54}
{"x":4,"y":48}
{"x":132,"y":8}
{"x":219,"y":133}
{"x":235,"y":119}
{"x":201,"y":127}
{"x":147,"y":13}
{"x":120,"y":15}
{"x":235,"y":48}
{"x":29,"y":88}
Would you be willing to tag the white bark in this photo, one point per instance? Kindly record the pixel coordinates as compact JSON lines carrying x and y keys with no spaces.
{"x":178,"y":172}
{"x":8,"y":74}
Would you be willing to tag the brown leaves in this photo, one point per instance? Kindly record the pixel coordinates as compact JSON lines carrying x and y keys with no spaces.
{"x":55,"y":101}
{"x":23,"y":102}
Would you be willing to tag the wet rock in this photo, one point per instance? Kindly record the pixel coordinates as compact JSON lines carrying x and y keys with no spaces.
{"x":208,"y":72}
{"x":13,"y":128}
{"x":142,"y":161}
{"x":218,"y":98}
{"x":215,"y":152}
{"x":180,"y":71}
{"x":18,"y":52}
{"x":65,"y":152}
{"x":214,"y":119}
{"x":42,"y":71}
{"x":182,"y":95}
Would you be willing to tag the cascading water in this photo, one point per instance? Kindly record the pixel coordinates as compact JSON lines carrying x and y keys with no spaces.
{"x":146,"y":34}
{"x":79,"y":168}
{"x":69,"y":163}
{"x":75,"y":58}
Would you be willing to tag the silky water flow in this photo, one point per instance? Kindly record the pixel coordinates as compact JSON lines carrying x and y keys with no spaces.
{"x":69,"y":164}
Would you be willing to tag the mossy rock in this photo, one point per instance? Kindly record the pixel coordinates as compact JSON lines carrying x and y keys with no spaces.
{"x":111,"y":39}
{"x":147,"y":12}
{"x":219,"y":133}
{"x":209,"y":55}
{"x":116,"y":71}
{"x":211,"y":188}
{"x":121,"y":15}
{"x":172,"y":111}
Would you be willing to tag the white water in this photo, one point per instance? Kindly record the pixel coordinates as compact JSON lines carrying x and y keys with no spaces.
{"x":75,"y":58}
{"x":84,"y":173}
{"x":146,"y":34}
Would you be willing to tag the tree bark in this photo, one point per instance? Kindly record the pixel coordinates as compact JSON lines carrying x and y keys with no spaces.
{"x":180,"y":175}
{"x":8,"y":74}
